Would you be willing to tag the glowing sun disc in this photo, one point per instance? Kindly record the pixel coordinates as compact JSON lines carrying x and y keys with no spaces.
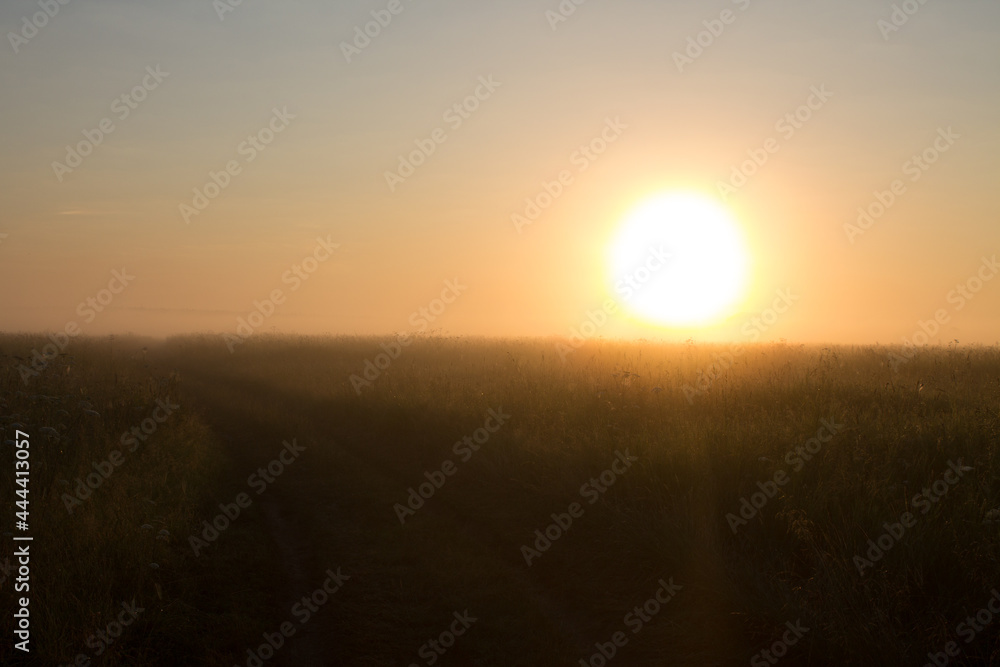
{"x":679,"y":259}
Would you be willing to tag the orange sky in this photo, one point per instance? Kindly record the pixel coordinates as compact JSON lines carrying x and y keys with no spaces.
{"x":300,"y":119}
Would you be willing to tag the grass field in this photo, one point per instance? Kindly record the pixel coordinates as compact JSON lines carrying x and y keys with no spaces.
{"x":695,"y":505}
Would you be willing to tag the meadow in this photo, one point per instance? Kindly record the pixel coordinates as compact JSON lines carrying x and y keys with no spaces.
{"x":504,"y":502}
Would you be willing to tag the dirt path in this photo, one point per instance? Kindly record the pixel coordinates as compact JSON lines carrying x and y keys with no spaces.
{"x":314,"y":523}
{"x":715,"y":634}
{"x":294,"y":578}
{"x":284,"y":504}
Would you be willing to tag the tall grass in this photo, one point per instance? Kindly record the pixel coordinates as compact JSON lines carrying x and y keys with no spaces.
{"x":127,"y":541}
{"x":698,"y":455}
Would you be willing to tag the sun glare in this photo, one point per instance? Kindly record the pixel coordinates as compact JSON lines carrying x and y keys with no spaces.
{"x":679,"y":260}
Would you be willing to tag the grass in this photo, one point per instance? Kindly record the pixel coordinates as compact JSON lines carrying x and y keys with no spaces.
{"x":698,"y":454}
{"x":111,"y":548}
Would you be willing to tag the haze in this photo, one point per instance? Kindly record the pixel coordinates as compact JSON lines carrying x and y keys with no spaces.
{"x":338,"y":119}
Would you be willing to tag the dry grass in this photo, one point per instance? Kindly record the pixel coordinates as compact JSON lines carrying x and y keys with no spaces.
{"x":665,"y":518}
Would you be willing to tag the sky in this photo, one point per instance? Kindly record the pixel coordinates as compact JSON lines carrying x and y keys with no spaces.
{"x":119,"y":115}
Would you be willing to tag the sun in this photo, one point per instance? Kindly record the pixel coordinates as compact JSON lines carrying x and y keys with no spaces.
{"x":679,"y":259}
